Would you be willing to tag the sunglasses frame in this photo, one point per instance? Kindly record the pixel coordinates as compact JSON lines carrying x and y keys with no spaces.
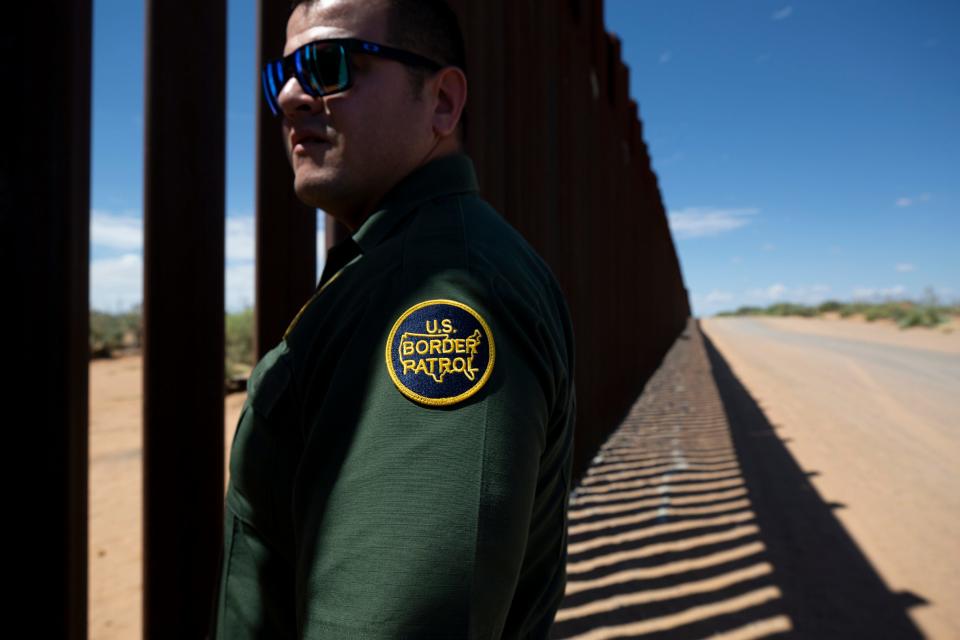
{"x":277,"y":72}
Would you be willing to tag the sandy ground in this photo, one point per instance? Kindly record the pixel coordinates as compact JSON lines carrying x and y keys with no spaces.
{"x":874,"y":412}
{"x":115,"y":495}
{"x":943,"y":339}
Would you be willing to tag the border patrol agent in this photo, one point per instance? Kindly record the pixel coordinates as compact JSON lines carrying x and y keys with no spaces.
{"x":402,"y":463}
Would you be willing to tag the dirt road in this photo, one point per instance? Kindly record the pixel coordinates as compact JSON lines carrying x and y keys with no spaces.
{"x":873,"y":414}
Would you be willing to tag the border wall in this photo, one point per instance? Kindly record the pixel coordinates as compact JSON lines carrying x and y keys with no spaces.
{"x":558,"y":148}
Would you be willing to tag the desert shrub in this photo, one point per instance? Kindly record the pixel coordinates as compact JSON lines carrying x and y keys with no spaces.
{"x":239,"y":341}
{"x":110,"y":332}
{"x":928,"y":312}
{"x":852,"y":309}
{"x":791,"y":309}
{"x":749,"y":311}
{"x":889,"y":310}
{"x":921,"y":316}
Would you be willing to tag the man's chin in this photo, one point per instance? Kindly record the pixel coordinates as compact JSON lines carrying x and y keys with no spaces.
{"x":313,"y":191}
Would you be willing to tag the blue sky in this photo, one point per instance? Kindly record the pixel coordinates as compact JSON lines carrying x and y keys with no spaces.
{"x":805,"y":150}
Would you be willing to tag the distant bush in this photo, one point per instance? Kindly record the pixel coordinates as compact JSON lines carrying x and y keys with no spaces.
{"x":895,"y":311}
{"x":876,"y":313}
{"x":906,"y":313}
{"x":921,"y":317}
{"x":239,"y":341}
{"x":790,"y":309}
{"x":113,"y":332}
{"x":856,"y":308}
{"x":749,"y":311}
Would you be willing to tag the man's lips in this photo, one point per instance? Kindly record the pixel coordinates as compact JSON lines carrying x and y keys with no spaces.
{"x":304,"y":139}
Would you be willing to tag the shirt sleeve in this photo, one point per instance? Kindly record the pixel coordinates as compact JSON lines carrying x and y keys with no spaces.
{"x":412,"y":520}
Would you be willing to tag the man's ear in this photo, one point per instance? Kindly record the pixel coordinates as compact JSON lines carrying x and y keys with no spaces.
{"x":449,"y":89}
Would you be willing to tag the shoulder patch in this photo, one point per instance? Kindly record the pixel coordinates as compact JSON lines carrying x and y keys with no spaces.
{"x":440,"y":352}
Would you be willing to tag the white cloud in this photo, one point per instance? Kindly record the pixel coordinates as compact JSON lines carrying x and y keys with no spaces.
{"x":806,"y":294}
{"x":718,"y":297}
{"x":665,"y":57}
{"x":718,"y":300}
{"x":872,"y":293}
{"x":812,"y":294}
{"x":240,"y":251}
{"x":907,"y":201}
{"x":782,"y":14}
{"x":116,"y":284}
{"x":767,"y":294}
{"x":125,"y":232}
{"x":116,"y":231}
{"x":240,"y":238}
{"x":905,"y":267}
{"x":946,"y":295}
{"x":712,"y":302}
{"x":695,"y":222}
{"x":774,"y":292}
{"x":238,"y":292}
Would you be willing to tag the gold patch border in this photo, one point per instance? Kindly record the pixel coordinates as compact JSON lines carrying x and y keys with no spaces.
{"x":439,"y":402}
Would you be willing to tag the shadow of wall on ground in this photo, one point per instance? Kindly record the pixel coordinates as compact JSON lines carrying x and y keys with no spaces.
{"x":695,"y":521}
{"x":830,"y":588}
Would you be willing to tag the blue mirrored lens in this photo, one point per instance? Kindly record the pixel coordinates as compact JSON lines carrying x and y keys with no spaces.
{"x":268,"y":95}
{"x":321,"y":68}
{"x":324,"y":69}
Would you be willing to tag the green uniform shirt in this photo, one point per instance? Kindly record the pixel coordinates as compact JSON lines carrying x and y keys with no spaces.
{"x":402,"y":463}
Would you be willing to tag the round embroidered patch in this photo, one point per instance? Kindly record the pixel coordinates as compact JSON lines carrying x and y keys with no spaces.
{"x":440,"y":352}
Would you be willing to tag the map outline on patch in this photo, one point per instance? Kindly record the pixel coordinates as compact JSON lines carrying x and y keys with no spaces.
{"x":435,"y":349}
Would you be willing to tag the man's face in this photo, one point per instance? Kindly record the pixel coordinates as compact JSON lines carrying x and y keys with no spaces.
{"x":348,"y":149}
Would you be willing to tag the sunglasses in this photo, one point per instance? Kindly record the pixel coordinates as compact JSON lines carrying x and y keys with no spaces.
{"x":323,"y":67}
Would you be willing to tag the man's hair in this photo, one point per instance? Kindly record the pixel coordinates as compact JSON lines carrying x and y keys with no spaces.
{"x":427,"y":27}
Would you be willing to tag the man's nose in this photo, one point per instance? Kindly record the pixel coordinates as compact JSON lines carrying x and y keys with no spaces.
{"x":292,"y":99}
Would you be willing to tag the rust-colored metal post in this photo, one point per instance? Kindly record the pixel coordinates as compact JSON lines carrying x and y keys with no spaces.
{"x":559,"y":151}
{"x":286,"y":229}
{"x":183,"y":313}
{"x":482,"y":24}
{"x":44,"y":233}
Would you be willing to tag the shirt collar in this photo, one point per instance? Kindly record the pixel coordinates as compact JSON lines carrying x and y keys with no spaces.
{"x":443,"y":176}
